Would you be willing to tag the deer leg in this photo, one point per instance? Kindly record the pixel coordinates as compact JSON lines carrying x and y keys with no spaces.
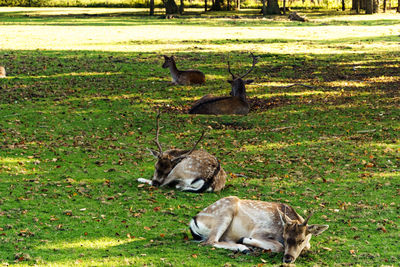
{"x":232,"y":246}
{"x":219,"y":228}
{"x":262,"y":242}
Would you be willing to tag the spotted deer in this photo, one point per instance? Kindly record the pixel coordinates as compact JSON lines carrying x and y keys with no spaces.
{"x":235,"y":104}
{"x":238,"y":225}
{"x":184,"y":77}
{"x":2,"y":72}
{"x":187,"y":170}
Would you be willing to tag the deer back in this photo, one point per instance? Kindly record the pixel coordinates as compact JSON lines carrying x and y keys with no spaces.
{"x":221,"y":105}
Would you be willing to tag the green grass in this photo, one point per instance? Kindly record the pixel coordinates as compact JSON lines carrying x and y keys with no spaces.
{"x":78,"y":112}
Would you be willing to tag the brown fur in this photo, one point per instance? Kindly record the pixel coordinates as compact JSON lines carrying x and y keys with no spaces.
{"x":221,"y":105}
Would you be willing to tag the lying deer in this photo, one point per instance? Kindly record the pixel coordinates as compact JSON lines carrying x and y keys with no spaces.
{"x":234,"y":104}
{"x":2,"y":72}
{"x":187,"y":170}
{"x":185,"y":77}
{"x":237,"y":224}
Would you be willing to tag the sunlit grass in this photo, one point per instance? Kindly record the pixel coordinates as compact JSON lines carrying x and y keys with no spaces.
{"x":100,"y":243}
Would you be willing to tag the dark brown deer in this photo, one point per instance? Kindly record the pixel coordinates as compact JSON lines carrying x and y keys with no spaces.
{"x":187,"y":170}
{"x":239,"y":224}
{"x":234,"y":104}
{"x":184,"y":77}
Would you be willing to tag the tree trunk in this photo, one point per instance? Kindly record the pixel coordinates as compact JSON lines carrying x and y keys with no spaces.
{"x":343,"y":6}
{"x":181,"y":7}
{"x":284,"y":7}
{"x":217,"y":5}
{"x":369,"y":7}
{"x":205,"y":5}
{"x":228,"y":5}
{"x":363,"y":4}
{"x":238,"y":4}
{"x":273,"y":7}
{"x":358,"y":6}
{"x":264,"y":9}
{"x":384,"y":6}
{"x":398,"y":6}
{"x":171,"y":7}
{"x":151,"y":7}
{"x":375,"y":6}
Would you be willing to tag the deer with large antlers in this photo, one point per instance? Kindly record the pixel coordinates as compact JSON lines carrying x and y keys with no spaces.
{"x":185,"y":77}
{"x":187,"y":170}
{"x":234,"y":104}
{"x":238,"y":225}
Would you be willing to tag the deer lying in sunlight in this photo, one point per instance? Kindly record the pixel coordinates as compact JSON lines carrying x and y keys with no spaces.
{"x":238,"y":225}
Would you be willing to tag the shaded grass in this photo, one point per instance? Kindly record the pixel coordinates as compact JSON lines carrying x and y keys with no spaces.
{"x":75,"y":126}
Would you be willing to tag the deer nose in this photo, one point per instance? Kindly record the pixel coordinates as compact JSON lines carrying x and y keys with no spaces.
{"x":288,"y":258}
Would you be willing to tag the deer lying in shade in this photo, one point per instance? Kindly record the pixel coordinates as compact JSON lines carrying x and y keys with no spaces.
{"x":187,"y":170}
{"x":184,"y":77}
{"x":238,"y":225}
{"x":234,"y":104}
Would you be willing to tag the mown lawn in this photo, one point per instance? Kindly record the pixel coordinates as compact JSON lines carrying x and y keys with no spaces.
{"x":77,"y":112}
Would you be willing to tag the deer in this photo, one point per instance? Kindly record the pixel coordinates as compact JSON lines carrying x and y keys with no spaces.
{"x":187,"y":170}
{"x":234,"y":104}
{"x":2,"y":72}
{"x":238,"y":225}
{"x":183,"y":77}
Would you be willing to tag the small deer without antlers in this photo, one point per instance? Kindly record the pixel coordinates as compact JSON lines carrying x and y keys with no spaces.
{"x":234,"y":104}
{"x":183,"y":77}
{"x":187,"y":170}
{"x":236,"y":224}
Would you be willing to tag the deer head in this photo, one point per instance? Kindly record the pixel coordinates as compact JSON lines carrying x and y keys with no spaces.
{"x":167,"y":160}
{"x":296,"y":236}
{"x":237,"y":82}
{"x":169,"y":61}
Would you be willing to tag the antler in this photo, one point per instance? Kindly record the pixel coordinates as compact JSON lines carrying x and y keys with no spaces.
{"x":157,"y":132}
{"x":190,"y":151}
{"x":198,"y":141}
{"x":255,"y":60}
{"x":306,"y":220}
{"x":229,"y":70}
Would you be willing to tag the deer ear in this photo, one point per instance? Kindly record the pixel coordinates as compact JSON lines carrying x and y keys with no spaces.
{"x":154,"y":153}
{"x":172,"y":57}
{"x":230,"y":81}
{"x":248,"y":81}
{"x":165,"y":56}
{"x":316,"y":229}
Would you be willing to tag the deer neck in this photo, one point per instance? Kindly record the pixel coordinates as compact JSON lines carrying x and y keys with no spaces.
{"x":174,"y":71}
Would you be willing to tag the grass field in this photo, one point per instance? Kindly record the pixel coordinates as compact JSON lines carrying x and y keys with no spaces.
{"x":77,"y":112}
